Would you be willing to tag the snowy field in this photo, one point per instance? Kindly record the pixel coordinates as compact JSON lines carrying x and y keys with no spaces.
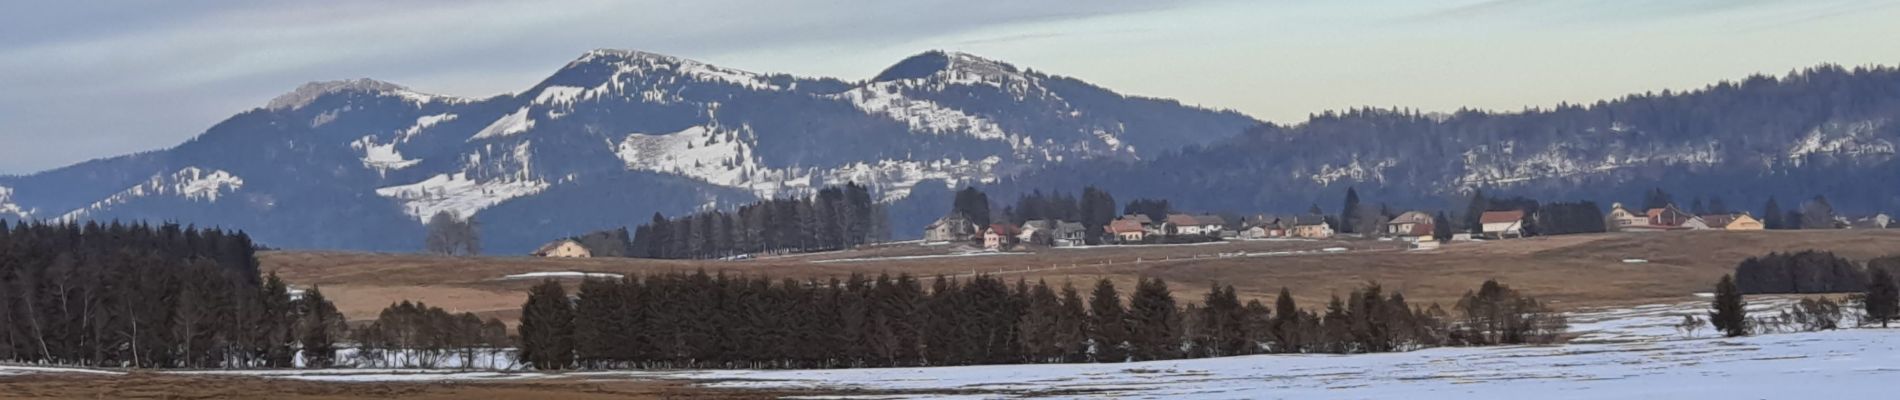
{"x":1620,"y":353}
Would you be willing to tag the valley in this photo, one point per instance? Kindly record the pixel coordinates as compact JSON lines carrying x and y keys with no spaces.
{"x":1569,"y":271}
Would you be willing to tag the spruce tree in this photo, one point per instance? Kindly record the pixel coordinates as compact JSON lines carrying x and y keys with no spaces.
{"x":1729,"y":313}
{"x":1771,"y":217}
{"x":1349,"y":215}
{"x":1882,"y":300}
{"x":547,"y":328}
{"x":1441,"y":228}
{"x":1108,"y":325}
{"x":1153,"y":315}
{"x":1286,"y":324}
{"x":317,"y":335}
{"x":1071,"y":331}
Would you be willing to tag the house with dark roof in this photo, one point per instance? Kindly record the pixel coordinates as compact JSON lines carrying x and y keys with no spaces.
{"x":951,"y":228}
{"x":1068,"y":234}
{"x":1410,"y":225}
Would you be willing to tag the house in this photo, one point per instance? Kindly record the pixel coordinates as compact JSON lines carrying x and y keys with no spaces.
{"x":1000,"y":235}
{"x":564,"y":248}
{"x":951,"y":228}
{"x":1731,"y":222}
{"x":1743,"y":222}
{"x":1256,"y":232}
{"x":1669,"y":215}
{"x":1502,"y":224}
{"x":1128,"y":229}
{"x":1668,"y":218}
{"x":1040,"y":232}
{"x":1183,"y":224}
{"x":1620,"y":218}
{"x":1410,"y":225}
{"x":1311,"y":227}
{"x":1069,"y":234}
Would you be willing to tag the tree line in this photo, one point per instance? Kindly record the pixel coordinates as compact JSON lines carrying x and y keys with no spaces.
{"x":833,"y":219}
{"x":1094,"y":209}
{"x":1807,"y":271}
{"x":700,"y":320}
{"x":416,"y":335}
{"x":148,"y":296}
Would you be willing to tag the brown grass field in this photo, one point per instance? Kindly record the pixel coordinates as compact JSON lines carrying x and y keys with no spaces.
{"x":149,"y":385}
{"x":1567,"y":271}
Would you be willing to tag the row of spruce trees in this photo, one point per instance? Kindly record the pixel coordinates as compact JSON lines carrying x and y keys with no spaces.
{"x":835,"y":218}
{"x":680,"y":320}
{"x":151,"y":297}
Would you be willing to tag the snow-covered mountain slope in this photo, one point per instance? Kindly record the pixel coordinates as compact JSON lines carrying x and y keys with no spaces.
{"x":359,"y":163}
{"x":8,"y":209}
{"x":189,"y":183}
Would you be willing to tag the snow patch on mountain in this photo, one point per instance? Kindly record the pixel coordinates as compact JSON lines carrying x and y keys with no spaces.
{"x":632,"y":63}
{"x":1856,"y":139}
{"x":382,"y":157}
{"x":7,"y":207}
{"x":310,"y":92}
{"x":458,"y":193}
{"x":513,"y":123}
{"x":191,"y":183}
{"x":724,"y":156}
{"x":886,"y":98}
{"x":424,"y":122}
{"x":559,"y":95}
{"x":712,"y":153}
{"x":1499,"y":167}
{"x":894,"y":179}
{"x":1356,"y":171}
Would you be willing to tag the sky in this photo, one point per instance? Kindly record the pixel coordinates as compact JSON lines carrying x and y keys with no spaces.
{"x":83,"y":80}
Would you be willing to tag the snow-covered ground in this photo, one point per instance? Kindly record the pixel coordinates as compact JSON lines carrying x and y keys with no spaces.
{"x":924,"y":257}
{"x":1621,"y":353}
{"x":565,"y":274}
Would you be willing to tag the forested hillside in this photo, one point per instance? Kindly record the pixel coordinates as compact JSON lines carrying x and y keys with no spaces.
{"x":1826,"y":131}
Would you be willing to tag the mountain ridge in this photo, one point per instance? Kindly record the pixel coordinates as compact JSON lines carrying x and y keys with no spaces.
{"x":367,"y":160}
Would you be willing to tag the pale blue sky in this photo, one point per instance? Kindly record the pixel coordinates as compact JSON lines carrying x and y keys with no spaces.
{"x":95,"y":79}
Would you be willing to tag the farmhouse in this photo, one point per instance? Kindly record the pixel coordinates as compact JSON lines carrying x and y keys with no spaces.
{"x":1311,"y":227}
{"x":1621,"y":218}
{"x":1671,"y":216}
{"x":1502,"y":224}
{"x":999,"y":236}
{"x":1040,"y":232}
{"x":1127,"y":229}
{"x":1731,"y":222}
{"x":1410,"y":225}
{"x":951,"y":228}
{"x":564,"y":248}
{"x":1068,"y":234}
{"x":1183,"y":224}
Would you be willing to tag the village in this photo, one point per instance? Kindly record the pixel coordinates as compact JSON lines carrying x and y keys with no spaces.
{"x":1416,"y":229}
